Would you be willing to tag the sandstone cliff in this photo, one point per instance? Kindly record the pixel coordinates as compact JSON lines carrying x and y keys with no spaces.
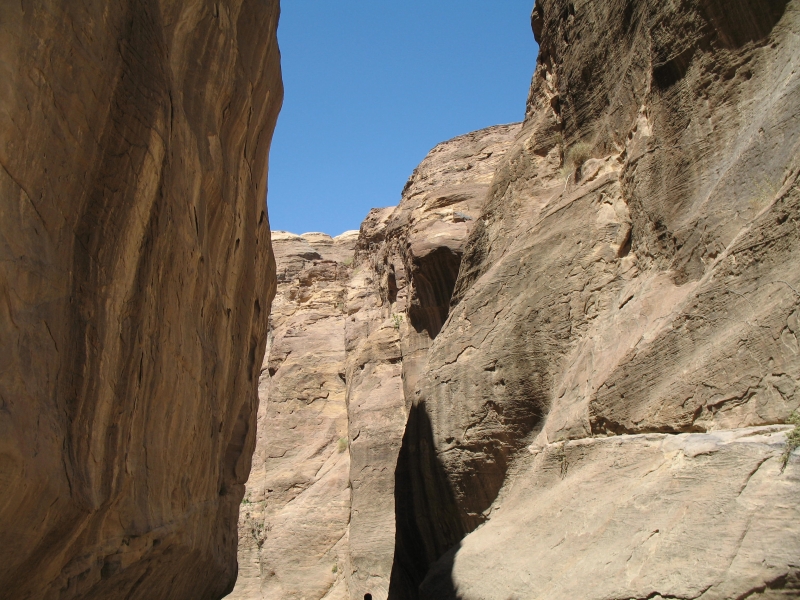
{"x":135,"y":281}
{"x":634,"y":274}
{"x":407,"y":262}
{"x":571,"y":350}
{"x":294,"y":517}
{"x":333,"y":406}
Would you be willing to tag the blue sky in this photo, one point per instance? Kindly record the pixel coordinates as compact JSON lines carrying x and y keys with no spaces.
{"x":373,"y":85}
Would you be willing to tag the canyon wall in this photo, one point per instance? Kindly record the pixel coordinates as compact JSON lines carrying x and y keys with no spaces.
{"x":294,"y":516}
{"x":349,"y":326}
{"x":135,"y":282}
{"x":571,"y":351}
{"x":406,"y":266}
{"x":567,"y":359}
{"x":606,"y":396}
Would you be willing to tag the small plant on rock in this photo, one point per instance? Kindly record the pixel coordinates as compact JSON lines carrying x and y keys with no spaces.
{"x":259,"y":532}
{"x":342,"y":444}
{"x":577,"y":155}
{"x":397,"y":319}
{"x":792,"y":439}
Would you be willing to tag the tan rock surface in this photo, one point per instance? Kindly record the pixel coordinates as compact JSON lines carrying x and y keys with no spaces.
{"x":634,"y":270}
{"x":571,"y":349}
{"x":318,"y":521}
{"x":136,"y":277}
{"x":707,"y":516}
{"x":294,"y":517}
{"x":407,"y":262}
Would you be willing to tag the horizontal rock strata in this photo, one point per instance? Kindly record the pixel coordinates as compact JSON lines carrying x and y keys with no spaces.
{"x":135,"y":282}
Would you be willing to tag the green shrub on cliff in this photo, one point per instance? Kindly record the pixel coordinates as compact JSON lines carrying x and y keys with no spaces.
{"x":792,"y":439}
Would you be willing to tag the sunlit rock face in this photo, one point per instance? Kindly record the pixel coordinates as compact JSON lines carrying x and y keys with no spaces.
{"x":571,"y":351}
{"x":295,"y":514}
{"x":635,"y":272}
{"x":318,"y":517}
{"x":407,"y":262}
{"x":136,"y":278}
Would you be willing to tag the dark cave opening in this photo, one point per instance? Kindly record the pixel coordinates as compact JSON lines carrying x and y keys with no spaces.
{"x":434,"y":277}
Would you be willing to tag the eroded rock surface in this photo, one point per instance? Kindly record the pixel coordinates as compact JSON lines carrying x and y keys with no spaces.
{"x":295,"y":513}
{"x":136,"y":277}
{"x":571,"y":350}
{"x":407,"y":263}
{"x":348,"y":331}
{"x":632,"y":514}
{"x":634,"y":271}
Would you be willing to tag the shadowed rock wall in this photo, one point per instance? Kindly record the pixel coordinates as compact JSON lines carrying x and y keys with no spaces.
{"x":135,"y":281}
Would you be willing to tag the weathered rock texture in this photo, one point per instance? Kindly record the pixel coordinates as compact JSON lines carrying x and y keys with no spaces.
{"x":135,"y":281}
{"x":407,"y":263}
{"x":572,"y":349}
{"x":634,"y":271}
{"x":638,"y":516}
{"x":294,"y":517}
{"x":341,"y":352}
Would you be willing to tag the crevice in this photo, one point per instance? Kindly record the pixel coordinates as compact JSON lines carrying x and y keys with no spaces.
{"x":786,"y":581}
{"x":427,"y":522}
{"x":434,"y":279}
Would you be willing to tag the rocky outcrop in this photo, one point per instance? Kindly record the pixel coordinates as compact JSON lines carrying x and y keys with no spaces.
{"x":318,"y":518}
{"x":295,"y":513}
{"x":571,"y":350}
{"x":634,"y":272}
{"x":136,"y":277}
{"x":638,"y":516}
{"x":407,"y":261}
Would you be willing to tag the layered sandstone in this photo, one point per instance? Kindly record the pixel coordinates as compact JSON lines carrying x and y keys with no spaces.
{"x":295,"y":513}
{"x":136,"y":278}
{"x":571,"y":351}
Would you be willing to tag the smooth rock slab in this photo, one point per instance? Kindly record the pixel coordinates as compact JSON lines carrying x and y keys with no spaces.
{"x":706,"y":516}
{"x":136,"y":276}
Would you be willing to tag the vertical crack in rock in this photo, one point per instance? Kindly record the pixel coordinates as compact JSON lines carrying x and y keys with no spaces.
{"x":293,"y":521}
{"x":426,"y":514}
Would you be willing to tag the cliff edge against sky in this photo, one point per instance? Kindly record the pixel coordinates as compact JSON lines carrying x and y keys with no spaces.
{"x":135,"y":280}
{"x":570,"y":352}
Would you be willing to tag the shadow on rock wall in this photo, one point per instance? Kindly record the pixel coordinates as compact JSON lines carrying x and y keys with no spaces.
{"x":427,"y":521}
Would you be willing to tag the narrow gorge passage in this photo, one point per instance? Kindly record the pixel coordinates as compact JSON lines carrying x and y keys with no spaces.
{"x":564,"y":365}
